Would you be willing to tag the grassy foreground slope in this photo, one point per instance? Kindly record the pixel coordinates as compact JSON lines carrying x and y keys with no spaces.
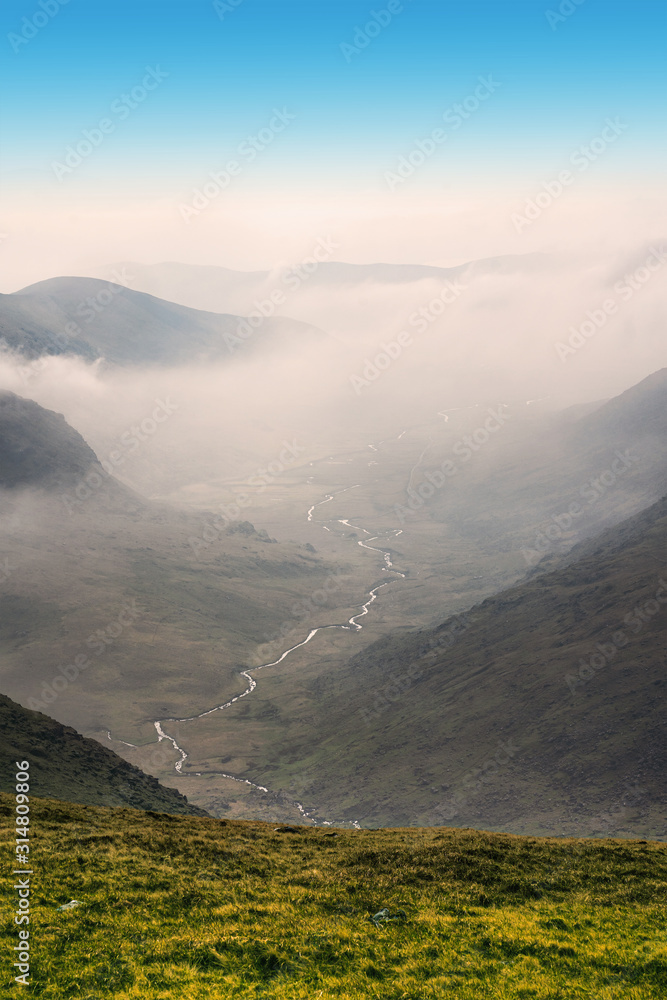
{"x":201,"y":908}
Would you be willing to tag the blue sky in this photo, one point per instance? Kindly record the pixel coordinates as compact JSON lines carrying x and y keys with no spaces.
{"x":355,"y":113}
{"x":225,"y":76}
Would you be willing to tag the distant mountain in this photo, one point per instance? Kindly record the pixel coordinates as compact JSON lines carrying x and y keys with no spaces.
{"x":101,"y":319}
{"x":541,"y":710}
{"x":33,"y":330}
{"x":222,"y":289}
{"x":632,"y":425}
{"x":66,"y":765}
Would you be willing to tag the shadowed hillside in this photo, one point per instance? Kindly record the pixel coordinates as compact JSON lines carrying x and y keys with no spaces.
{"x":540,"y":710}
{"x":66,"y":765}
{"x":37,"y":446}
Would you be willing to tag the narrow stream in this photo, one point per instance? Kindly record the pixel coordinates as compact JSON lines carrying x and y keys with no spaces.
{"x":351,"y":625}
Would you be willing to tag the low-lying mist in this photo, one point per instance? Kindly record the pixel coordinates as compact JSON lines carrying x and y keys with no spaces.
{"x":394,"y":355}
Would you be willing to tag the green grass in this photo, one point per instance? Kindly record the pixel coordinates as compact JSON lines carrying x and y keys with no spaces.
{"x":189,"y":908}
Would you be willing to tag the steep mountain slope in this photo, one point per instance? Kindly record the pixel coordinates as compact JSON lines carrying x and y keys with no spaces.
{"x":66,"y":765}
{"x":94,"y":319}
{"x":639,"y":411}
{"x":37,"y":447}
{"x":544,"y":486}
{"x":541,"y":709}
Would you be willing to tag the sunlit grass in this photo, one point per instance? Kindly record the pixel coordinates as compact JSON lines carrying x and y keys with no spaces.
{"x":180,"y":907}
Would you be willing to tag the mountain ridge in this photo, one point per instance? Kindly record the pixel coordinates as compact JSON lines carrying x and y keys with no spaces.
{"x":98,"y":319}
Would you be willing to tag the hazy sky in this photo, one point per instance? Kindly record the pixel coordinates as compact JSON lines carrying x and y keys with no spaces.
{"x":316,"y":101}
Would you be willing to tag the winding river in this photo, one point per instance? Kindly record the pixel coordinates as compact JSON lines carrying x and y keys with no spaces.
{"x":350,"y":625}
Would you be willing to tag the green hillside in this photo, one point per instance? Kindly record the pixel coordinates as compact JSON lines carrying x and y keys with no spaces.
{"x":202,"y":908}
{"x":67,"y":765}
